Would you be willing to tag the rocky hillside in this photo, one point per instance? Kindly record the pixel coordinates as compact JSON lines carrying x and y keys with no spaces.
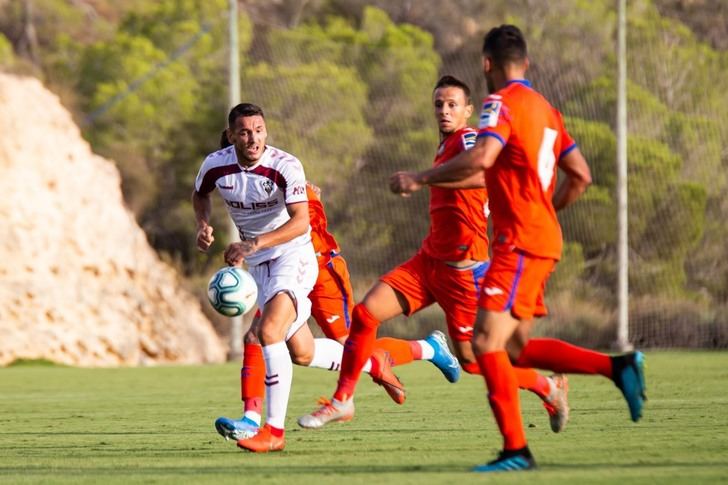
{"x":79,"y":284}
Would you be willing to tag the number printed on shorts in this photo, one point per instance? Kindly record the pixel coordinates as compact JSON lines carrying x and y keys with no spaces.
{"x":546,"y":158}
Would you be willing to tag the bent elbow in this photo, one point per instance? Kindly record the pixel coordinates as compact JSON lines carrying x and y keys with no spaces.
{"x":586,"y":181}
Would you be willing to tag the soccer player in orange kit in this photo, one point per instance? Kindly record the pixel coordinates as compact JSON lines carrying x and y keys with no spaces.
{"x":522,"y":142}
{"x":448,"y":269}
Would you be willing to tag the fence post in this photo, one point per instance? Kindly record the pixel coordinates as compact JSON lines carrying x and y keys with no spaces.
{"x":236,"y":323}
{"x":622,"y":342}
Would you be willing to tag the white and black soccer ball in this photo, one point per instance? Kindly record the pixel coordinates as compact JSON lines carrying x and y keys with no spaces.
{"x":232,"y":291}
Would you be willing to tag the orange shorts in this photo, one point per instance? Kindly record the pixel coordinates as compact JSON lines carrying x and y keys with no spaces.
{"x":332,"y":298}
{"x":424,"y":280}
{"x":516,"y":281}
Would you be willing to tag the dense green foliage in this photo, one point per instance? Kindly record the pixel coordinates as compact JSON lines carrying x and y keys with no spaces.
{"x":145,"y":425}
{"x":347,"y":89}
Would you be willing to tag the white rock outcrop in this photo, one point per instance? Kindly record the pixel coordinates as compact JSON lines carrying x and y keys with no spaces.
{"x":79,"y":283}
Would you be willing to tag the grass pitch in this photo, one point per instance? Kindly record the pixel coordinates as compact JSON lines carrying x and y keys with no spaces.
{"x":147,"y":425}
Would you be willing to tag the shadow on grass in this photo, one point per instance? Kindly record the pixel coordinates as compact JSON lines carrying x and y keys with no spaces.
{"x":251,"y":469}
{"x":34,"y":363}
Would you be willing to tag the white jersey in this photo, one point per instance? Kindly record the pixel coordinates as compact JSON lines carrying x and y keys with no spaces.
{"x":256,"y":196}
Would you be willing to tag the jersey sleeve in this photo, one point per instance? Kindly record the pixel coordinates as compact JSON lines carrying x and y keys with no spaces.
{"x":295,"y":182}
{"x":495,"y":119}
{"x":204,"y":183}
{"x":468,"y":139}
{"x":567,"y":142}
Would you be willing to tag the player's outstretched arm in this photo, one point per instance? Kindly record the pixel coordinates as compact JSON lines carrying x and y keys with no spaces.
{"x":202,"y":205}
{"x":578,"y":178}
{"x":475,"y":181}
{"x":460,"y":172}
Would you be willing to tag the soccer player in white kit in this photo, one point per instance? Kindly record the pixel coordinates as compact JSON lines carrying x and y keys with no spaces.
{"x":264,"y":189}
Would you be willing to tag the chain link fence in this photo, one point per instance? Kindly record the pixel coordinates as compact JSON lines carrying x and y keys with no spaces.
{"x":354,"y":106}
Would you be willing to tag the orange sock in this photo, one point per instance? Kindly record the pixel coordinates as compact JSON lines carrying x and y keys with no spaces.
{"x":400,"y":351}
{"x":503,"y":397}
{"x":559,"y":356}
{"x":528,"y":379}
{"x":252,"y":378}
{"x":531,"y":380}
{"x":357,"y":350}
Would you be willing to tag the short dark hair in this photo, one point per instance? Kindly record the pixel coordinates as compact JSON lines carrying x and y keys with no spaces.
{"x":224,"y":142}
{"x":244,"y":110}
{"x":505,"y":45}
{"x":452,"y":81}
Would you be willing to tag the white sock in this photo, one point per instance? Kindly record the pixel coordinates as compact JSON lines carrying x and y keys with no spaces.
{"x":327,"y":354}
{"x":278,"y":378}
{"x":253,"y":416}
{"x":428,"y":352}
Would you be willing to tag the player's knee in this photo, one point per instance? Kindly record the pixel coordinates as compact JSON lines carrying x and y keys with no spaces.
{"x":269,"y":335}
{"x":362,"y":316}
{"x":479,"y":342}
{"x":251,"y":338}
{"x":302,"y":358}
{"x":513,"y":353}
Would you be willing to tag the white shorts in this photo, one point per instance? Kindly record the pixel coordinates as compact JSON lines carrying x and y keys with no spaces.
{"x":294,"y":272}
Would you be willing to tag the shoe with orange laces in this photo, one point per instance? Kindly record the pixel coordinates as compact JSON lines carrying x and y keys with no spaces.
{"x":382,"y":374}
{"x":557,"y":404}
{"x":263,"y":442}
{"x":330,"y":411}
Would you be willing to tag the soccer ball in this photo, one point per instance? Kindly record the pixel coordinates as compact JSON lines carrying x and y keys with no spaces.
{"x":232,"y":291}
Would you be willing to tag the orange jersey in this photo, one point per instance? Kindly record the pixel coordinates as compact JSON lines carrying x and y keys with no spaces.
{"x":521,"y":182}
{"x":323,"y":241}
{"x":458,"y":218}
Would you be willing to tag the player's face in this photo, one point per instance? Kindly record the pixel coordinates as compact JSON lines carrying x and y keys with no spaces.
{"x":248,"y":134}
{"x":452,"y":109}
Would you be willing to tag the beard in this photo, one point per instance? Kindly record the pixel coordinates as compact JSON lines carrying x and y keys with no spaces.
{"x":490,"y":84}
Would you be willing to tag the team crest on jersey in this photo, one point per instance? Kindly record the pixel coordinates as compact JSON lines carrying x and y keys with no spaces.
{"x":267,"y":185}
{"x":469,"y":139}
{"x":489,"y":114}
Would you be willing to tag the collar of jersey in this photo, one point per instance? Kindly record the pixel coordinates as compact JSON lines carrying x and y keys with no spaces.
{"x":266,"y":153}
{"x":525,"y":82}
{"x":453,"y":133}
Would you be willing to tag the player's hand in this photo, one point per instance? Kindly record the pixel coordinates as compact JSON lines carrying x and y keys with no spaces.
{"x":404,"y":183}
{"x":204,"y":237}
{"x":237,"y":251}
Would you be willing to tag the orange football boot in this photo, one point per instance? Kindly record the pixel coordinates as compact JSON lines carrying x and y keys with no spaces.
{"x":382,"y":374}
{"x":263,"y":442}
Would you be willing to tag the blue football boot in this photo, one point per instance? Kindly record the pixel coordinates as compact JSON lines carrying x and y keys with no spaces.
{"x":443,"y":358}
{"x":628,"y":374}
{"x":231,"y":429}
{"x":509,"y":461}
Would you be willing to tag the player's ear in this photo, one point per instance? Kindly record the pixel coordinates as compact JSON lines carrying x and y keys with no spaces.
{"x":468,"y":111}
{"x":487,"y":63}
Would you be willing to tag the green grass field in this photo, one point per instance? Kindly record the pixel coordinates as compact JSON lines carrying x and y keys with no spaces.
{"x":147,"y":425}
